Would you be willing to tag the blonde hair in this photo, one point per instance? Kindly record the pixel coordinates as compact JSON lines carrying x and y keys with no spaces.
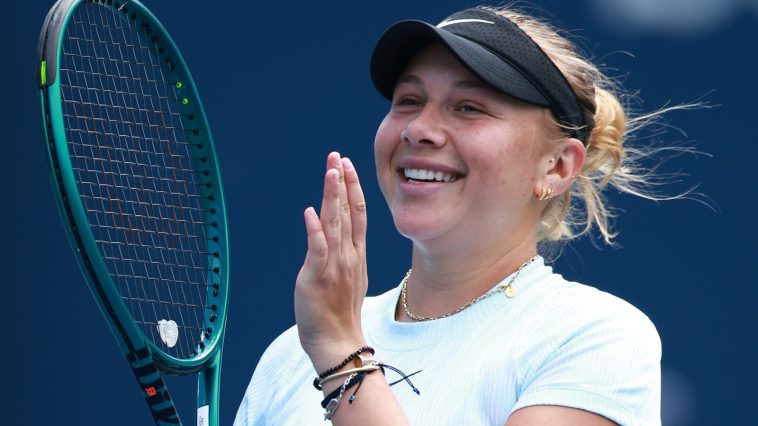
{"x":608,"y":161}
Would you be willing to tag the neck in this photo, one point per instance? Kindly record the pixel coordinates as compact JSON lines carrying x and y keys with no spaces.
{"x":443,"y":281}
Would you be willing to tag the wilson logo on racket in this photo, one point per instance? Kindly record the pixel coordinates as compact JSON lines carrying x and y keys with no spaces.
{"x":169,"y":332}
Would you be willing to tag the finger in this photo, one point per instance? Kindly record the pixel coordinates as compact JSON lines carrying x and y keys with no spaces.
{"x":318,"y":249}
{"x":330,"y":212}
{"x":344,"y":204}
{"x":357,"y":204}
{"x":332,"y":160}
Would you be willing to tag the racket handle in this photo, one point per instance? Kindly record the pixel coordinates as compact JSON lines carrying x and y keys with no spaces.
{"x":154,"y":388}
{"x":208,"y":384}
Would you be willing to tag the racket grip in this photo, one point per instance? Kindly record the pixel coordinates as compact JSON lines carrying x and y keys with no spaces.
{"x":208,"y":386}
{"x":153,"y":387}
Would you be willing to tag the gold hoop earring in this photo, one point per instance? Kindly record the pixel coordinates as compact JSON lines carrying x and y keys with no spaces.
{"x":547,"y":191}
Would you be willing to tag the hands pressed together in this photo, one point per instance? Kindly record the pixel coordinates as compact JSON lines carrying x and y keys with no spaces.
{"x":332,"y":282}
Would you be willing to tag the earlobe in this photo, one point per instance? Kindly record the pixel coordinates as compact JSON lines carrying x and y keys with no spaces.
{"x":546,"y":192}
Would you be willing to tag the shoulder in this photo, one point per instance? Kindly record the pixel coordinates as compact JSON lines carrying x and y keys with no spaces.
{"x":585,"y":348}
{"x":570,"y":309}
{"x":282,"y":363}
{"x":285,"y":347}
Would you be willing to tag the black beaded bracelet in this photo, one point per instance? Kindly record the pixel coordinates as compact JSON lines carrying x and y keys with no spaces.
{"x":350,"y":357}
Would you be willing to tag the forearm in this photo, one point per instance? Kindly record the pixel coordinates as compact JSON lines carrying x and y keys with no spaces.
{"x":374,"y":404}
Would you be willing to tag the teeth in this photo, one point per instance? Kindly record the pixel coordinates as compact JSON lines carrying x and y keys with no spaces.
{"x":428,"y":175}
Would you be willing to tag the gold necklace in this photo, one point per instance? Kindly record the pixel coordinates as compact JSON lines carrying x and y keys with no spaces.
{"x":508,"y":289}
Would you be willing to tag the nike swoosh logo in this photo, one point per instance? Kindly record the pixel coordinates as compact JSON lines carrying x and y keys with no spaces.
{"x":444,"y":24}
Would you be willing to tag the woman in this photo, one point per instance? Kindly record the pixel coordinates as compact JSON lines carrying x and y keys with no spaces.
{"x":498,"y":137}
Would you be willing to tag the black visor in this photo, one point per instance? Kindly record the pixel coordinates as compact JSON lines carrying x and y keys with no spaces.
{"x":494,"y":49}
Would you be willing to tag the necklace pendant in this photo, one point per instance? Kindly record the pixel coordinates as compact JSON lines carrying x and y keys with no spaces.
{"x":510,"y":291}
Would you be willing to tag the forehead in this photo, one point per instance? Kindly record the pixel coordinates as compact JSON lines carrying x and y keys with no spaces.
{"x":435,"y":58}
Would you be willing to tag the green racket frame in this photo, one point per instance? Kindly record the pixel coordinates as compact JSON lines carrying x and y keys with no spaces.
{"x":143,"y":355}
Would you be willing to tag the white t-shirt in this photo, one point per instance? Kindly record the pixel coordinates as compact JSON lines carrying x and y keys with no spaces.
{"x":556,"y":343}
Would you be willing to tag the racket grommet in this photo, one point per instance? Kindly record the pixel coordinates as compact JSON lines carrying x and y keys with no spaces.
{"x":215,"y":239}
{"x":213,"y":211}
{"x":215,"y":254}
{"x":211,"y":197}
{"x":206,"y":172}
{"x":216,"y":269}
{"x":212,"y":318}
{"x":208,"y":185}
{"x":214,"y":224}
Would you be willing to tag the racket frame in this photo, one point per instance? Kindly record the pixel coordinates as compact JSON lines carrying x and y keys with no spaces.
{"x":143,"y":355}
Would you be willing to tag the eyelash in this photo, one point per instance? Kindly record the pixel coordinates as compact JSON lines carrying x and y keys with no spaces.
{"x":465,"y":108}
{"x":469,"y":106}
{"x":406,"y":101}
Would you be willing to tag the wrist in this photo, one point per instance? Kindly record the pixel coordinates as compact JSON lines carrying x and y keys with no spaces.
{"x":339,"y":361}
{"x":330,"y":356}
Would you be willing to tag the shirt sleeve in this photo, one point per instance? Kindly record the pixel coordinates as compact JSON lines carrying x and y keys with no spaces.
{"x":269,"y":376}
{"x":601,"y":355}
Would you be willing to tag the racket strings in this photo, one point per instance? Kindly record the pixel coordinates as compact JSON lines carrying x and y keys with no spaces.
{"x":134,"y":168}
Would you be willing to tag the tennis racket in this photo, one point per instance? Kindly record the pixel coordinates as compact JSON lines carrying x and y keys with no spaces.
{"x":137,"y":184}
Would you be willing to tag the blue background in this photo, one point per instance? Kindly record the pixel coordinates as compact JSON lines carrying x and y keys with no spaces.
{"x":283,"y":83}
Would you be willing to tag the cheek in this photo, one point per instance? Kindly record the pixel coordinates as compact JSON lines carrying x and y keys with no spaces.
{"x":386,"y":141}
{"x":504,"y":161}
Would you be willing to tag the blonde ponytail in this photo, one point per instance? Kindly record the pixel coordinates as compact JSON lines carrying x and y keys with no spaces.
{"x":609,"y":162}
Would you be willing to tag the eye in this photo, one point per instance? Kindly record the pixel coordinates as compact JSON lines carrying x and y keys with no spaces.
{"x":407,"y":101}
{"x":469,"y":108}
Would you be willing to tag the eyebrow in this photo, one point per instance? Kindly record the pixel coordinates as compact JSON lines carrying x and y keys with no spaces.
{"x":472,"y":84}
{"x":462,"y":84}
{"x":408,"y":78}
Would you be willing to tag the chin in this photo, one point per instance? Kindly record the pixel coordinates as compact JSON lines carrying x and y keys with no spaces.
{"x":417,"y":227}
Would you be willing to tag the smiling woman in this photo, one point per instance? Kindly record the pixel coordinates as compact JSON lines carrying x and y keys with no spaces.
{"x":499,"y":137}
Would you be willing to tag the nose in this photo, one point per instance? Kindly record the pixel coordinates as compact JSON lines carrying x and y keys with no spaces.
{"x":426,"y":128}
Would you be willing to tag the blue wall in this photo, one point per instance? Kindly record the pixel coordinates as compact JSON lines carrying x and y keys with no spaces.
{"x":284,"y":83}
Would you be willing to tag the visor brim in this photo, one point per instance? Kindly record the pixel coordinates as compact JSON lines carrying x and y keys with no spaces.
{"x":402,"y":41}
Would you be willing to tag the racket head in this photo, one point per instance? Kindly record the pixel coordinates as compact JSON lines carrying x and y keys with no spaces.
{"x":137,"y":178}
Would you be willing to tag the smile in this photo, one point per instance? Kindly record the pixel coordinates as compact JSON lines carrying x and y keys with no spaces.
{"x":423,"y":175}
